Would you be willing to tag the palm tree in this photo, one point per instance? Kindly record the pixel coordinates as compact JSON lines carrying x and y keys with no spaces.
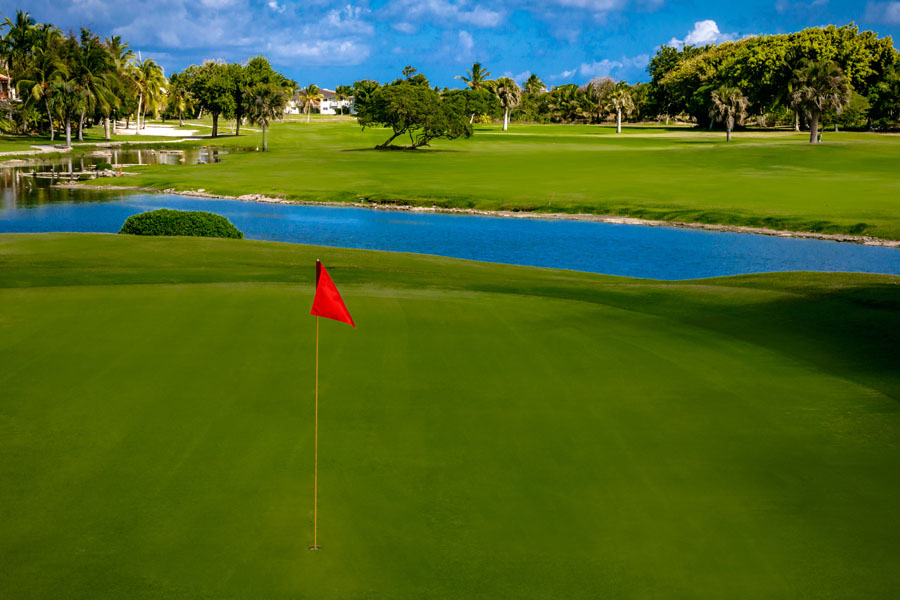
{"x":818,"y":87}
{"x":509,"y":94}
{"x":476,"y":77}
{"x":265,"y":102}
{"x":310,"y":96}
{"x":341,"y":93}
{"x":45,"y":68}
{"x":565,"y":102}
{"x":534,"y":85}
{"x":150,"y":81}
{"x":94,"y":69}
{"x":729,"y":105}
{"x":619,"y":100}
{"x":67,"y":98}
{"x":122,"y":56}
{"x":17,"y":43}
{"x":596,"y":95}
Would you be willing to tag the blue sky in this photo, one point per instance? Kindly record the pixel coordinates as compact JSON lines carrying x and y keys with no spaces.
{"x":331,"y":42}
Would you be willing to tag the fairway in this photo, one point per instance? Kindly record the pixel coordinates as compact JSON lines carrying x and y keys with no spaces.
{"x":772,"y":179}
{"x":488,"y":431}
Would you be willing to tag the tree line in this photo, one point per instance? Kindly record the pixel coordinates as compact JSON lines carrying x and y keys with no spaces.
{"x":831,"y":75}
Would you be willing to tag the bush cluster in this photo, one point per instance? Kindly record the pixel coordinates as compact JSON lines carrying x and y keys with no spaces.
{"x":179,"y":222}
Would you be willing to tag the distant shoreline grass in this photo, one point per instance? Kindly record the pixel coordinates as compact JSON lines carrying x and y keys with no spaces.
{"x":764,"y":179}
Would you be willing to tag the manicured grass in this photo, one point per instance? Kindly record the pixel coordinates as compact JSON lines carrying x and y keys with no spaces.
{"x":772,"y":179}
{"x":488,"y":431}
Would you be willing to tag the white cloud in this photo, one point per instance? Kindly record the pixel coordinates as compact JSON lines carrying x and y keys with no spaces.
{"x":704,"y":32}
{"x":444,"y":12}
{"x":404,"y":27}
{"x":466,"y":43}
{"x":279,"y":8}
{"x":887,"y":13}
{"x":606,"y":67}
{"x":319,"y":52}
{"x":565,"y":74}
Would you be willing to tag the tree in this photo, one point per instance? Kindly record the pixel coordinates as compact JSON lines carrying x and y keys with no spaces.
{"x":121,"y":85}
{"x":94,"y":70}
{"x":818,"y":87}
{"x":475,"y":77}
{"x":595,"y":97}
{"x":265,"y":102}
{"x":17,"y":44}
{"x":362,"y":91}
{"x":67,"y":97}
{"x":239,"y":83}
{"x":413,"y":110}
{"x":179,"y":95}
{"x":341,"y":93}
{"x":471,"y":101}
{"x":310,"y":96}
{"x":45,"y":68}
{"x":565,"y":102}
{"x":509,"y":94}
{"x":730,"y":107}
{"x":150,"y":81}
{"x":619,"y":100}
{"x":534,"y":85}
{"x":213,"y":92}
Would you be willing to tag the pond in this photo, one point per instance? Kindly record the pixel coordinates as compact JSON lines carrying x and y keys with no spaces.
{"x":629,"y":250}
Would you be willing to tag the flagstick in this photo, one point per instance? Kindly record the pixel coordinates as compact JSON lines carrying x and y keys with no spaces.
{"x":315,"y":545}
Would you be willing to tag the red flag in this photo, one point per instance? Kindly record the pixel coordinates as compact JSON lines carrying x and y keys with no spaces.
{"x":328,"y":302}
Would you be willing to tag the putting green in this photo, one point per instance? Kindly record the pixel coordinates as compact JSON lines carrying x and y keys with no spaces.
{"x":488,"y":431}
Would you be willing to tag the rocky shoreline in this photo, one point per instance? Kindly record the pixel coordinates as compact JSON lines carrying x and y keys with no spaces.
{"x":613,"y":219}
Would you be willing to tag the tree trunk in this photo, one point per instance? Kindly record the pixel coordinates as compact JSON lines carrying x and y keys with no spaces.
{"x":68,"y":133}
{"x":728,"y":134}
{"x":215,"y":132}
{"x":137,"y":130}
{"x":472,"y":119}
{"x":506,"y":119}
{"x":814,"y":128}
{"x":115,"y":124}
{"x":307,"y":114}
{"x":81,"y":125}
{"x":127,"y":121}
{"x":237,"y":126}
{"x":836,"y":128}
{"x":200,"y":116}
{"x":265,"y":141}
{"x":796,"y":120}
{"x":667,"y":120}
{"x":619,"y":121}
{"x":387,"y":143}
{"x":106,"y":128}
{"x":50,"y":116}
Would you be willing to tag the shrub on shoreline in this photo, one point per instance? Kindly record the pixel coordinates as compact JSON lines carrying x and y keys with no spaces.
{"x":167,"y":222}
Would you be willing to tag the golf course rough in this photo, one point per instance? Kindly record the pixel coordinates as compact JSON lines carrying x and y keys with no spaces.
{"x":488,"y":431}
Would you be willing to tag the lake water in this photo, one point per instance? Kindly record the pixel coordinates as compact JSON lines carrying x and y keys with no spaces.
{"x":629,"y":250}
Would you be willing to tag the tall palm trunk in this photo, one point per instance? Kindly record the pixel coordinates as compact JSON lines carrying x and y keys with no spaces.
{"x":619,"y":120}
{"x":265,"y":141}
{"x":796,"y":120}
{"x":68,"y":132}
{"x":115,"y":123}
{"x":50,"y":116}
{"x":81,"y":125}
{"x":137,"y":130}
{"x":728,"y":134}
{"x":505,"y":119}
{"x":106,"y":128}
{"x":814,"y":128}
{"x":307,"y":113}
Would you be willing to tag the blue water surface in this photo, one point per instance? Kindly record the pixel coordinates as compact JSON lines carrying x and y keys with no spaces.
{"x":630,"y":250}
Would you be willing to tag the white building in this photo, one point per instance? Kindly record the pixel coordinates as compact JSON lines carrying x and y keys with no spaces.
{"x":327,"y":106}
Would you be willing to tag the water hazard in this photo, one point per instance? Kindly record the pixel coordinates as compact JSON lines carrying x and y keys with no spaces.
{"x":629,"y":250}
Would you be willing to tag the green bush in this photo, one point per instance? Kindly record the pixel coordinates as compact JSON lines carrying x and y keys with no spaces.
{"x":103,"y":166}
{"x":180,"y":222}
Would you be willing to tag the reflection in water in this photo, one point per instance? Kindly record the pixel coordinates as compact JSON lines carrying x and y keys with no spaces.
{"x":25,"y":183}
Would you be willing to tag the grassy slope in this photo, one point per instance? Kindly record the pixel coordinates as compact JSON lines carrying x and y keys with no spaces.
{"x":487,"y":431}
{"x":770,"y":179}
